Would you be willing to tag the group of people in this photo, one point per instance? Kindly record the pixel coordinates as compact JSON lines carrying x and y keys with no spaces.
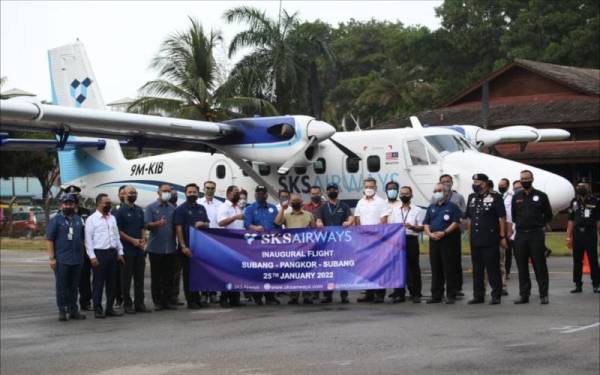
{"x":112,"y":242}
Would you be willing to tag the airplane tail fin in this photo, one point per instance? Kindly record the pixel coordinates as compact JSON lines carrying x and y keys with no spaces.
{"x":74,"y":85}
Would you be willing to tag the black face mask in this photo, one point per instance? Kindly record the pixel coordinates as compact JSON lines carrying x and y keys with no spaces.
{"x":132,"y":198}
{"x":296,"y":206}
{"x":526,"y":184}
{"x":235,"y":198}
{"x":191,"y":199}
{"x":581,"y":191}
{"x":332,"y":194}
{"x":316,"y":199}
{"x":503,"y":189}
{"x":106,"y":209}
{"x":476,"y":189}
{"x":404,"y":199}
{"x":260,"y":199}
{"x":68,"y":211}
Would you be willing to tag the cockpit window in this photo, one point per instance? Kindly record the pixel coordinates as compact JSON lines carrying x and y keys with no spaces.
{"x":447,"y":143}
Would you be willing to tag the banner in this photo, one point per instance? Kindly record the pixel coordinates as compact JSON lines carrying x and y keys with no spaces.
{"x":307,"y":259}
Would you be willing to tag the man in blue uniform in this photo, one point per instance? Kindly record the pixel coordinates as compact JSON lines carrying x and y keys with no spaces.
{"x":442,"y":225}
{"x":188,"y":215}
{"x":487,"y":228}
{"x":582,"y":234}
{"x":130,"y":220}
{"x":65,"y":244}
{"x":260,"y":216}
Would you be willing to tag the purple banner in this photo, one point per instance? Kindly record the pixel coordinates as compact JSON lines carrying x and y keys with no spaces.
{"x":307,"y":259}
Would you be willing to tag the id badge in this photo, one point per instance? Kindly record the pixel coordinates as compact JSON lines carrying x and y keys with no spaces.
{"x":70,"y":234}
{"x":586,"y":213}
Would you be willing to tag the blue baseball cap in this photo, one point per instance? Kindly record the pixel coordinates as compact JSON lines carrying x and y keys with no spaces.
{"x":332,"y":186}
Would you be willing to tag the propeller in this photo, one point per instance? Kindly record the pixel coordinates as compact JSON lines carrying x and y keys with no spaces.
{"x":298,"y":156}
{"x":344,"y":149}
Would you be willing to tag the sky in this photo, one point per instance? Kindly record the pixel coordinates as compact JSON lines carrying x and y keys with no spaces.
{"x":121,"y":37}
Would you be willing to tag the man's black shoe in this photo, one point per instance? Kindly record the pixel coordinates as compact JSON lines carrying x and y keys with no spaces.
{"x":129,"y":310}
{"x":399,"y":299}
{"x":521,"y":301}
{"x":365,"y":299}
{"x":273,"y":301}
{"x":495,"y":301}
{"x":504,"y":292}
{"x":142,"y":309}
{"x":475,"y":301}
{"x":113,"y":313}
{"x":76,"y":315}
{"x":345,"y":300}
{"x":596,"y":289}
{"x":577,"y":289}
{"x":99,"y":314}
{"x":544,"y":300}
{"x":168,"y":306}
{"x":433,"y":300}
{"x":379,"y":299}
{"x":118,"y":302}
{"x":460,"y":294}
{"x":223,"y":303}
{"x":308,"y":301}
{"x":85,"y":307}
{"x":62,"y":316}
{"x":176,"y":302}
{"x":416,"y":299}
{"x":327,"y":300}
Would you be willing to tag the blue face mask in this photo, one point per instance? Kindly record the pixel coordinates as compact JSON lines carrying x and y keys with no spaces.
{"x":438,"y":196}
{"x":392,"y":194}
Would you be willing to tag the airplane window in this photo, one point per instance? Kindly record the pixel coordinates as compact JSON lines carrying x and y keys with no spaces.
{"x":352,"y":165}
{"x":445,"y":143}
{"x":373,"y":163}
{"x":432,"y":158}
{"x":220,"y":171}
{"x":320,"y":166}
{"x":264,"y":169}
{"x":418,"y":153}
{"x":300,"y":170}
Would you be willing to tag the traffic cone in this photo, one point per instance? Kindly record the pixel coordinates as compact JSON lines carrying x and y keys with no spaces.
{"x":586,"y":264}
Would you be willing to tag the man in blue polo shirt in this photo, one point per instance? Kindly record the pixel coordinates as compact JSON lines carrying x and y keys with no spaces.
{"x":442,"y":225}
{"x":65,"y":244}
{"x":189,"y":214}
{"x":260,"y":216}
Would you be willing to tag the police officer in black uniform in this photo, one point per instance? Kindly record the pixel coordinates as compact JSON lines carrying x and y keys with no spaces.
{"x":487,"y":228}
{"x":582,"y":234}
{"x":531,"y":211}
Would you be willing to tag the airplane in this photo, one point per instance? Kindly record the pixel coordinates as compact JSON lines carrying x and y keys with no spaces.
{"x":282,"y":152}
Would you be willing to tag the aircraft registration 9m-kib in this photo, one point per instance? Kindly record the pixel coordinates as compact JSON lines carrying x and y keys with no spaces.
{"x":282,"y":152}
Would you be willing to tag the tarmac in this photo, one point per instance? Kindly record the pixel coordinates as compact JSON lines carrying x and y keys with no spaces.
{"x":560,"y":338}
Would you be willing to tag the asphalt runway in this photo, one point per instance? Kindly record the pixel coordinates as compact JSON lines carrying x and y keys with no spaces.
{"x":560,"y":338}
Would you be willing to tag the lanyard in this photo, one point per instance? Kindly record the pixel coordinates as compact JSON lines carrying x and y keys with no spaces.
{"x":334,"y":208}
{"x":404,"y":217}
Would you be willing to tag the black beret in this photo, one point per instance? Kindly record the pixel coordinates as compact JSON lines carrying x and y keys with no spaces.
{"x":480,"y":177}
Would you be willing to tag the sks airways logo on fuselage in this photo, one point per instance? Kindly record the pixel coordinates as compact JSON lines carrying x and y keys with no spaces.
{"x":346,"y":183}
{"x":287,"y":238}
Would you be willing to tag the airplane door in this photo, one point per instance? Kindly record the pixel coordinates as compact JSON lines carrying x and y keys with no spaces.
{"x":422,"y":169}
{"x":221,"y":172}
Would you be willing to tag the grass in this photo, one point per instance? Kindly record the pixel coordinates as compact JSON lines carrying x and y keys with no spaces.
{"x":554,"y":240}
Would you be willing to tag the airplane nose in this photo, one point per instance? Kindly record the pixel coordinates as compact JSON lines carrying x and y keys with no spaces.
{"x":320,"y":129}
{"x":560,"y":192}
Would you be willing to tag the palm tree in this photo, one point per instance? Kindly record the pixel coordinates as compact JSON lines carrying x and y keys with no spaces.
{"x":187,"y":82}
{"x":274,"y":52}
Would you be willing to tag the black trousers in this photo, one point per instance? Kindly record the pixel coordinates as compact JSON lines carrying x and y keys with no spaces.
{"x":105,"y":275}
{"x":133,"y":269}
{"x":585,"y":241}
{"x":531,"y":245}
{"x":118,"y":287}
{"x":457,"y":251}
{"x":67,"y":280}
{"x":232,"y":298}
{"x":443,"y":266}
{"x":191,"y":297}
{"x":162,"y":269}
{"x":329,"y":294}
{"x":85,"y":284}
{"x":486,"y":258}
{"x":413,"y":269}
{"x":509,"y":255}
{"x":177,"y":271}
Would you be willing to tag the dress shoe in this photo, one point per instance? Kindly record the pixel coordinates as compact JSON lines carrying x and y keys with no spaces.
{"x":118,"y":302}
{"x":433,"y":300}
{"x":398,"y":299}
{"x":345,"y":300}
{"x":158,"y":307}
{"x":193,"y":306}
{"x":596,"y":289}
{"x":308,"y":301}
{"x":577,"y":289}
{"x":176,"y":302}
{"x":365,"y":299}
{"x":142,"y":309}
{"x":504,"y":292}
{"x":544,"y":300}
{"x":129,"y":310}
{"x":495,"y":301}
{"x":450,"y":301}
{"x":521,"y":301}
{"x":273,"y":301}
{"x":99,"y":314}
{"x":113,"y":313}
{"x":327,"y":300}
{"x":258,"y":301}
{"x":460,"y":293}
{"x":76,"y":315}
{"x":62,"y":316}
{"x":293,"y":301}
{"x":475,"y":301}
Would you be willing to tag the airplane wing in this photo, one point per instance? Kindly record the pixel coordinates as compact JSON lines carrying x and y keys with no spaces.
{"x":511,"y":134}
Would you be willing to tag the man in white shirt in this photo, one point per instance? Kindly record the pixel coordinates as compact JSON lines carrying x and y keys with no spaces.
{"x":371,"y":210}
{"x":104,"y":248}
{"x":212,"y":206}
{"x":411,"y":216}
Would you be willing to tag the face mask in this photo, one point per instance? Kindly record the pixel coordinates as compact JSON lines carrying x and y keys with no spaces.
{"x":260,"y":199}
{"x":526,"y":184}
{"x":106,"y":209}
{"x":296,"y":205}
{"x":132,"y":198}
{"x":235,"y":198}
{"x":165,"y":196}
{"x":316,"y":199}
{"x":369,"y":192}
{"x":68,"y":211}
{"x":332,"y":194}
{"x":503,"y":189}
{"x":392,"y":194}
{"x":516,"y":190}
{"x":476,"y":188}
{"x":173,"y":198}
{"x":404,"y":199}
{"x":438,"y":196}
{"x":191,"y":198}
{"x":581,"y":191}
{"x":242,"y":202}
